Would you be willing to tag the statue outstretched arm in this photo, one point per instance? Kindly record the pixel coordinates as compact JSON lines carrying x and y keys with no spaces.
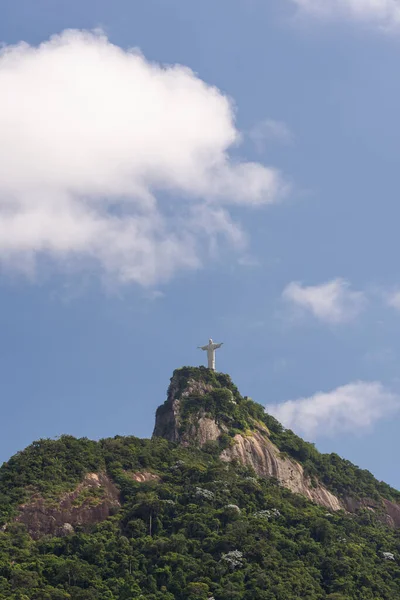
{"x":202,"y":347}
{"x":216,"y":346}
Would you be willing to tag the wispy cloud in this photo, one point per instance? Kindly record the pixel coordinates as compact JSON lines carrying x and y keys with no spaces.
{"x":113,"y":162}
{"x":393,"y":300}
{"x":331,"y":302}
{"x":270,"y":130}
{"x":381,"y":13}
{"x":351,"y":408}
{"x":246,"y":260}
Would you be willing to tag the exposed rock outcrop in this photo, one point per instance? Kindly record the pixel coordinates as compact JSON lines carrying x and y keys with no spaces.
{"x":144,"y":477}
{"x":257,"y":451}
{"x":386,"y":511}
{"x":168,"y":421}
{"x":392,"y":513}
{"x":92,"y":501}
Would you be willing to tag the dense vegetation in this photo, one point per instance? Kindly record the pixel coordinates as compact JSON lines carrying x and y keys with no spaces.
{"x":203,"y":530}
{"x":206,"y":529}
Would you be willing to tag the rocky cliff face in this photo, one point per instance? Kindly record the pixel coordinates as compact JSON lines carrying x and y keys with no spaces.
{"x":199,"y":430}
{"x":254,"y":449}
{"x":258,"y":452}
{"x":386,"y":511}
{"x":92,"y":501}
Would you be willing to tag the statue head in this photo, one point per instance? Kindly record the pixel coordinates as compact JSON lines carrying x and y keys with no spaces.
{"x":210,"y":341}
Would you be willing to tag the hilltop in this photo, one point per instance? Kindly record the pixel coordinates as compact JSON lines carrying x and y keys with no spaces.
{"x":221,"y":503}
{"x":206,"y":408}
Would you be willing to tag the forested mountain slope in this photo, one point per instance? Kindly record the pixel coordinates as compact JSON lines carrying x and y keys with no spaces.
{"x":192,"y":517}
{"x":205,"y":407}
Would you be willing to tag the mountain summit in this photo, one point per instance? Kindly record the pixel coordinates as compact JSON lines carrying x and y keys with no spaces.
{"x":205,"y":408}
{"x":222,"y":503}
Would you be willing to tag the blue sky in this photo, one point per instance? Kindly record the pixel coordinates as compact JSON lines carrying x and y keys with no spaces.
{"x":236,"y":178}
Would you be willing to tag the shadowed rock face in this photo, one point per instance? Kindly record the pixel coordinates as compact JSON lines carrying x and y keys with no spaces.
{"x":168,"y":421}
{"x":392,"y":510}
{"x":386,"y":511}
{"x":41,"y":517}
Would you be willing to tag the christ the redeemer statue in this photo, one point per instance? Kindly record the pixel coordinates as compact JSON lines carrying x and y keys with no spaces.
{"x":211,"y":348}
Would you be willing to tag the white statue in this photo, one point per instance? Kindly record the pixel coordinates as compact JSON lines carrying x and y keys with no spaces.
{"x":211,"y":348}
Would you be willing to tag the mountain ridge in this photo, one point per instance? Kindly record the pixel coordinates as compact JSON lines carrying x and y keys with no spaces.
{"x":194,"y":516}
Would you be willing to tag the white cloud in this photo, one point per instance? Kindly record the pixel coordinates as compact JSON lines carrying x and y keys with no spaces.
{"x":351,"y":408}
{"x":109,"y":160}
{"x":393,"y":300}
{"x":270,"y":131}
{"x":382,"y":13}
{"x":332,"y":302}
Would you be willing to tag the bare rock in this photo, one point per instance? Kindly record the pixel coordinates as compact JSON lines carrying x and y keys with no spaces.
{"x":144,"y":477}
{"x":258,"y":452}
{"x":200,"y":431}
{"x":393,"y":512}
{"x":386,"y":512}
{"x":65,"y":529}
{"x":76,"y":508}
